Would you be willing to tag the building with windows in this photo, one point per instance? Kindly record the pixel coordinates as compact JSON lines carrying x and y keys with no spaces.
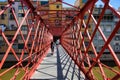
{"x":107,"y":26}
{"x":70,"y":13}
{"x":24,"y":29}
{"x":8,"y":27}
{"x":55,"y":17}
{"x":80,"y":4}
{"x":117,"y":36}
{"x":43,"y":8}
{"x":4,"y":16}
{"x":11,"y":27}
{"x":3,"y":24}
{"x":12,"y":24}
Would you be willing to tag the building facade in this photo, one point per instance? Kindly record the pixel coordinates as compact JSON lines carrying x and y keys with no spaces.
{"x":7,"y":19}
{"x":107,"y":25}
{"x":54,"y":15}
{"x":3,"y":25}
{"x":80,"y":4}
{"x":4,"y":16}
{"x":116,"y":45}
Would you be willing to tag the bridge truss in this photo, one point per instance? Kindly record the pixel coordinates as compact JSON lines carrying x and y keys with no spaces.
{"x":40,"y":34}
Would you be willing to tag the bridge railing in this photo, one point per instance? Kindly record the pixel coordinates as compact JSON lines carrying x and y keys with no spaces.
{"x":79,"y":41}
{"x":23,"y":47}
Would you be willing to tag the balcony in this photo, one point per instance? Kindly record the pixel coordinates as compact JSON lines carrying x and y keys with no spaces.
{"x":9,"y":32}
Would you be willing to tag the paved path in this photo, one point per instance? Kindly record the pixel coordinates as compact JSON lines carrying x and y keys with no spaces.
{"x":57,"y":67}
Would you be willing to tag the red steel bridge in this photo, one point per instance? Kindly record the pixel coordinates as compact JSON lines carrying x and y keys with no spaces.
{"x":70,"y":34}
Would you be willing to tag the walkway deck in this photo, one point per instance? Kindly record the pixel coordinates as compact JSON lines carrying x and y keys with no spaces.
{"x":57,"y":67}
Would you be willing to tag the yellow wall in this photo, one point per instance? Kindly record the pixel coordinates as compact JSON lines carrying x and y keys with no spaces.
{"x":54,"y":7}
{"x":4,"y":21}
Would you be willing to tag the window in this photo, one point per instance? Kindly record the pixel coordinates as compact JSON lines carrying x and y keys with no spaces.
{"x":57,"y":6}
{"x":85,"y":17}
{"x":86,"y":44}
{"x":11,"y":17}
{"x":19,"y":7}
{"x":15,"y":46}
{"x":44,"y":3}
{"x":82,"y":26}
{"x":89,"y":26}
{"x":20,"y":46}
{"x":102,"y":27}
{"x":29,"y":45}
{"x":2,"y":43}
{"x":2,"y":7}
{"x":2,"y":16}
{"x":9,"y":38}
{"x":11,"y":10}
{"x":117,"y":48}
{"x":116,"y":44}
{"x":2,"y":27}
{"x":24,"y":28}
{"x":12,"y":25}
{"x":30,"y":21}
{"x":25,"y":36}
{"x":99,"y":37}
{"x":108,"y":28}
{"x":69,"y":17}
{"x":100,"y":47}
{"x":84,"y":35}
{"x":118,"y":31}
{"x":111,"y":18}
{"x":1,"y":38}
{"x":21,"y":14}
{"x":117,"y":38}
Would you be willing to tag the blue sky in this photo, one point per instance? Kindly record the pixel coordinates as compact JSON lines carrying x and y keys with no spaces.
{"x":114,"y":3}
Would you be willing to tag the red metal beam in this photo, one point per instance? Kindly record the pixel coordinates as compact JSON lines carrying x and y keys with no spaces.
{"x":8,"y":50}
{"x":106,"y":44}
{"x":28,"y":4}
{"x":85,"y":8}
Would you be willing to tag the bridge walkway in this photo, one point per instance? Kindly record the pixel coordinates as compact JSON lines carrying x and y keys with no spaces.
{"x":58,"y":66}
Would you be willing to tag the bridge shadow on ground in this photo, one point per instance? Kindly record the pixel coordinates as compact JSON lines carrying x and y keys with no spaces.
{"x":65,"y":67}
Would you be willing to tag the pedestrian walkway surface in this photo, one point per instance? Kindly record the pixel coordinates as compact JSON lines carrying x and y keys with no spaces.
{"x":58,"y":66}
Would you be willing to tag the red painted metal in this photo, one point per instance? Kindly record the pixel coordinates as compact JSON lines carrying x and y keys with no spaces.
{"x":68,"y":42}
{"x":40,"y":33}
{"x":36,"y":53}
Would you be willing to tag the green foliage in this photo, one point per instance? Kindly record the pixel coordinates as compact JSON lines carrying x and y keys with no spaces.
{"x":9,"y":74}
{"x":108,"y":72}
{"x":96,"y":72}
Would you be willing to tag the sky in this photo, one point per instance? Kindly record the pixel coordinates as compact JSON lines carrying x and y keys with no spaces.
{"x":114,"y":3}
